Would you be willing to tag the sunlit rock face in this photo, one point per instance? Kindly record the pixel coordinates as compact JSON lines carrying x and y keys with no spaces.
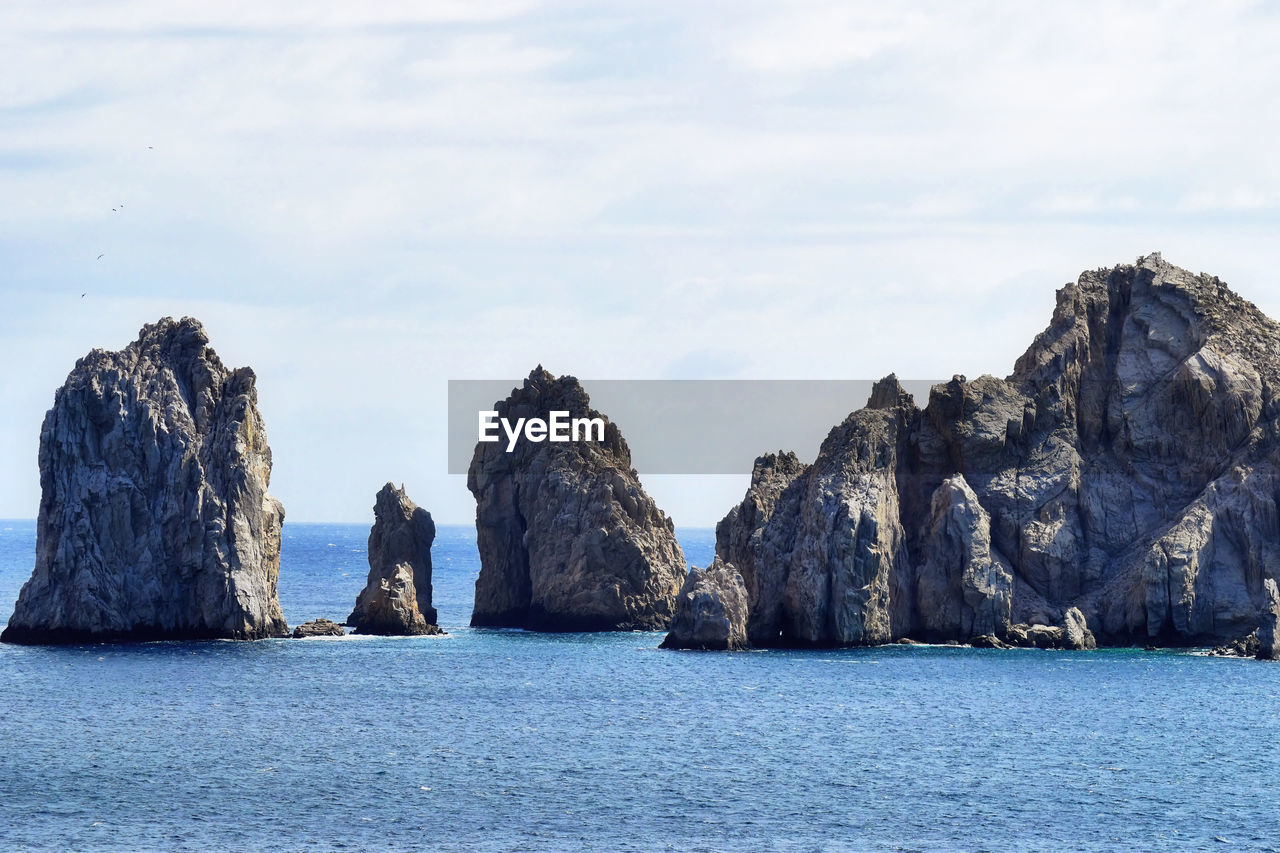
{"x":1126,"y":469}
{"x":568,"y":538}
{"x":155,"y":522}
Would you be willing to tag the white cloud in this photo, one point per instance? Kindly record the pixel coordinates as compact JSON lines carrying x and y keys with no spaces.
{"x":828,"y":190}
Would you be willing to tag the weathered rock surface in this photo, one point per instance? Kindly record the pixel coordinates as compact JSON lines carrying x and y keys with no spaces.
{"x":155,"y":522}
{"x":318,"y":628}
{"x":1076,"y":633}
{"x":1127,"y":469}
{"x":1241,"y":647}
{"x":962,"y":589}
{"x":1269,"y":623}
{"x":568,"y":539}
{"x":711,"y":610}
{"x":396,"y":599}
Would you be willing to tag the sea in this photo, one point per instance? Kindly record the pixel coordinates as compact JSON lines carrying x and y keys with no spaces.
{"x":502,"y":740}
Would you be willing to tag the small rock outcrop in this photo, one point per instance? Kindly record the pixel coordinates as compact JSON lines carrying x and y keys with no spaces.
{"x":1121,"y":484}
{"x":1269,"y":623}
{"x":1241,"y":647}
{"x":396,"y":600}
{"x":318,"y":628}
{"x":711,"y":610}
{"x":1076,"y":634}
{"x":568,"y":539}
{"x":155,"y":521}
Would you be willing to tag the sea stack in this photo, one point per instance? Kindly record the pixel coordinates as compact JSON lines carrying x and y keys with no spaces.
{"x":396,"y":599}
{"x":568,"y":539}
{"x":1118,"y":488}
{"x":711,"y":611}
{"x":155,"y":522}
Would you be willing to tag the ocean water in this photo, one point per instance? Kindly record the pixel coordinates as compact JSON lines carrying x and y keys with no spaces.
{"x":505,"y":740}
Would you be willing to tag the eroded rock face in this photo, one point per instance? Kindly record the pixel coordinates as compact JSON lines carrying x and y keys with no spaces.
{"x":396,"y":599}
{"x":962,"y":589}
{"x":1269,"y":623}
{"x":155,"y":522}
{"x":568,"y":539}
{"x":1127,"y":469}
{"x":1076,"y":633}
{"x":711,"y":610}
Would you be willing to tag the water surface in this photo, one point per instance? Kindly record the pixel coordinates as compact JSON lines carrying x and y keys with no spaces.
{"x":505,"y":740}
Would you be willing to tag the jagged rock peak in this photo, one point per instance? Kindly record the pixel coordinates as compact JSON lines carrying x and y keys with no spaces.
{"x":888,"y":393}
{"x":155,"y":521}
{"x":568,"y":538}
{"x":1124,"y":479}
{"x":396,"y":599}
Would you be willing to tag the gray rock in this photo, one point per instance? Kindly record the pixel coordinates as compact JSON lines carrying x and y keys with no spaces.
{"x":155,"y":522}
{"x":711,"y":610}
{"x":1076,"y":633}
{"x":1269,"y":623}
{"x":1241,"y":647}
{"x":568,"y":539}
{"x":1128,"y":468}
{"x":318,"y":628}
{"x":739,"y":536}
{"x":962,"y":589}
{"x":396,"y":599}
{"x":1045,"y":636}
{"x":988,"y":641}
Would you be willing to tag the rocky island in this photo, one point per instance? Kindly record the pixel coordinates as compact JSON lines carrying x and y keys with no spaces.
{"x":568,"y":539}
{"x":155,"y":521}
{"x":396,"y":599}
{"x":1119,"y":487}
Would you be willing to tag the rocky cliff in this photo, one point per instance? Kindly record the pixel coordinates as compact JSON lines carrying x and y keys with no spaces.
{"x":396,"y":599}
{"x":1127,"y":468}
{"x":155,"y":522}
{"x":568,"y":539}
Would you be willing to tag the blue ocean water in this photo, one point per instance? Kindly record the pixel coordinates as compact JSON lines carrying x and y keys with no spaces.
{"x":504,"y":740}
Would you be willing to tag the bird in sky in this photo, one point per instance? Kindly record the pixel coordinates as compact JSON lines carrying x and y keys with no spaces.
{"x":82,"y":296}
{"x":99,"y":257}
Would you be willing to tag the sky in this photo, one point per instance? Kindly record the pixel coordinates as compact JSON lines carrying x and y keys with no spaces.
{"x":364,"y":201}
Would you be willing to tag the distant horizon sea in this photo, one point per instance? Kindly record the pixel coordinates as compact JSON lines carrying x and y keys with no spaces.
{"x":503,"y":740}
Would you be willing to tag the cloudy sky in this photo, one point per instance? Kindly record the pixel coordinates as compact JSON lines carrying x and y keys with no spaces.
{"x":363,"y":201}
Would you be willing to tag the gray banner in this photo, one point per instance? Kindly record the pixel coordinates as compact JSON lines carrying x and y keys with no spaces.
{"x":695,"y":426}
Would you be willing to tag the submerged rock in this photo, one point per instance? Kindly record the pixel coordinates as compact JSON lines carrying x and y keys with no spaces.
{"x":711,"y":610}
{"x":396,"y":599}
{"x":568,"y":539}
{"x":1128,"y":469}
{"x":155,"y":522}
{"x":318,"y":628}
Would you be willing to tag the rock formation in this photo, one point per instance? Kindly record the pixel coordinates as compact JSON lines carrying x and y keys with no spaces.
{"x":568,"y":539}
{"x":1121,"y":483}
{"x":155,"y":522}
{"x":396,"y":599}
{"x":1269,"y":623}
{"x":318,"y":628}
{"x":711,"y":610}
